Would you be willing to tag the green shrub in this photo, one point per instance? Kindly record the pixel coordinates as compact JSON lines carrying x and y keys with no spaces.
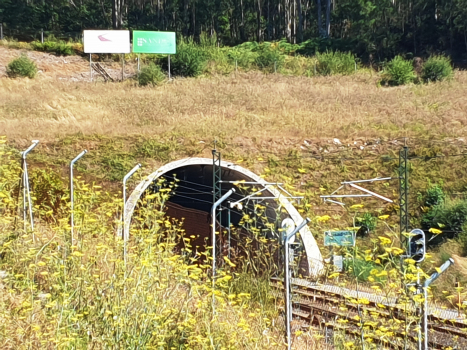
{"x":361,"y":269}
{"x":335,"y":63}
{"x":398,"y":72}
{"x":190,"y":60}
{"x":269,"y":57}
{"x":244,"y":57}
{"x":434,"y":196}
{"x":60,"y":48}
{"x":151,"y":75}
{"x":367,"y":223}
{"x":437,"y":68}
{"x":21,"y":67}
{"x":449,"y":217}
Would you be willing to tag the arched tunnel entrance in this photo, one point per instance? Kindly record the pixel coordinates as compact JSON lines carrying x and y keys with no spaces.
{"x":192,"y":201}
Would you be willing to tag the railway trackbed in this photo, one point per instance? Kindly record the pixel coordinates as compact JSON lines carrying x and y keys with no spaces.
{"x":379,"y":319}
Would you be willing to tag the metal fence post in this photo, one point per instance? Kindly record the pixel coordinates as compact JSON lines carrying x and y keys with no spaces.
{"x":214,"y":217}
{"x":125,"y":234}
{"x":72,"y":194}
{"x":42,"y":36}
{"x":1,"y":31}
{"x":27,"y":202}
{"x":288,"y":304}
{"x":426,"y":284}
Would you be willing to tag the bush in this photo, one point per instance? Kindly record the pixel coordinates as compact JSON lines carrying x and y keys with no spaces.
{"x":449,"y":217}
{"x":335,"y":63}
{"x":437,"y":68}
{"x":268,"y":57}
{"x":367,"y":224}
{"x":21,"y":67}
{"x":398,"y":72}
{"x":190,"y":60}
{"x":60,"y":48}
{"x":244,"y":57}
{"x":434,"y":196}
{"x":151,"y":75}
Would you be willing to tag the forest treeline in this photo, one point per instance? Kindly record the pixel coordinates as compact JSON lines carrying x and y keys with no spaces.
{"x":372,"y":29}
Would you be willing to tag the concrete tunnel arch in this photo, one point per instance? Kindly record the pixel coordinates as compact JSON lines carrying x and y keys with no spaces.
{"x":199,"y":170}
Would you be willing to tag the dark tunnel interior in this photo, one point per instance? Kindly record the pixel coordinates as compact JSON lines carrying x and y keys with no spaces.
{"x":195,"y":191}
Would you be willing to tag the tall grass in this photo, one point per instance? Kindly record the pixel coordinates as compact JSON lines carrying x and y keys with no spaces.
{"x":84,"y":295}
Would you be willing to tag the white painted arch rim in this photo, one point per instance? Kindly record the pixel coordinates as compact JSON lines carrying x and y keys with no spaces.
{"x":314,"y":257}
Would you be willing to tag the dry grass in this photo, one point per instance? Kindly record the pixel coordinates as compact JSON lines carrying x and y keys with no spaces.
{"x":251,"y":105}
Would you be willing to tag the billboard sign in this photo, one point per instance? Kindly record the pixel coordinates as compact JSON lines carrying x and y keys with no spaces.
{"x":106,"y":41}
{"x":339,"y":238}
{"x":154,"y":42}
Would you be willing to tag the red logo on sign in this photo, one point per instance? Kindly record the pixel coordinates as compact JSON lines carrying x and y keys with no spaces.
{"x":101,"y":38}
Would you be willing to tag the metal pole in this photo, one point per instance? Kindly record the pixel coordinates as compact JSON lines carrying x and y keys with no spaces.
{"x":419,"y":333}
{"x":123,"y":65}
{"x":1,"y":31}
{"x":90,"y":65}
{"x":139,"y":59}
{"x":288,"y":304}
{"x":425,"y":318}
{"x":403,"y":196}
{"x":228,"y":228}
{"x":213,"y":217}
{"x":427,"y":283}
{"x":169,"y":67}
{"x":124,"y":231}
{"x":26,"y":189}
{"x":72,"y":194}
{"x":42,"y":36}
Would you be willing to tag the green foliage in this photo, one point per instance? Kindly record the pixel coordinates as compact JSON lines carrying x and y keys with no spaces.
{"x":151,"y":75}
{"x":398,"y":72}
{"x":268,"y":57}
{"x":244,"y":57}
{"x":448,"y":216}
{"x":434,"y":196}
{"x":359,"y":268}
{"x":313,"y":46}
{"x":117,"y":164}
{"x":60,"y":48}
{"x":367,"y":223}
{"x":49,"y":190}
{"x":463,"y":239}
{"x":437,"y":68}
{"x":21,"y":67}
{"x":155,"y":149}
{"x":330,"y":63}
{"x":190,"y":60}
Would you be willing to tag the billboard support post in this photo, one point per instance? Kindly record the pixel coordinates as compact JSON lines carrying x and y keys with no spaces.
{"x":90,"y":66}
{"x":123,"y":66}
{"x":169,"y":68}
{"x":155,"y":42}
{"x":139,"y":59}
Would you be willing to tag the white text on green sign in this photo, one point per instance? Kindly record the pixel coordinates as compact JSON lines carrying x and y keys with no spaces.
{"x":154,"y":42}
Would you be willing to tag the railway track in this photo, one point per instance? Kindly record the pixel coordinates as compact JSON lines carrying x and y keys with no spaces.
{"x":379,"y":320}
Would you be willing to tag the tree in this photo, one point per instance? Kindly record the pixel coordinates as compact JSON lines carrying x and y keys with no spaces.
{"x":118,"y":9}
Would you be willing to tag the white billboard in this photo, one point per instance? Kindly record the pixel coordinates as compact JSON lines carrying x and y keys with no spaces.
{"x":106,"y":41}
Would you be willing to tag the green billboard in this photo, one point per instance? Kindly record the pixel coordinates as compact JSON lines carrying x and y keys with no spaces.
{"x":339,"y":238}
{"x":154,"y":42}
